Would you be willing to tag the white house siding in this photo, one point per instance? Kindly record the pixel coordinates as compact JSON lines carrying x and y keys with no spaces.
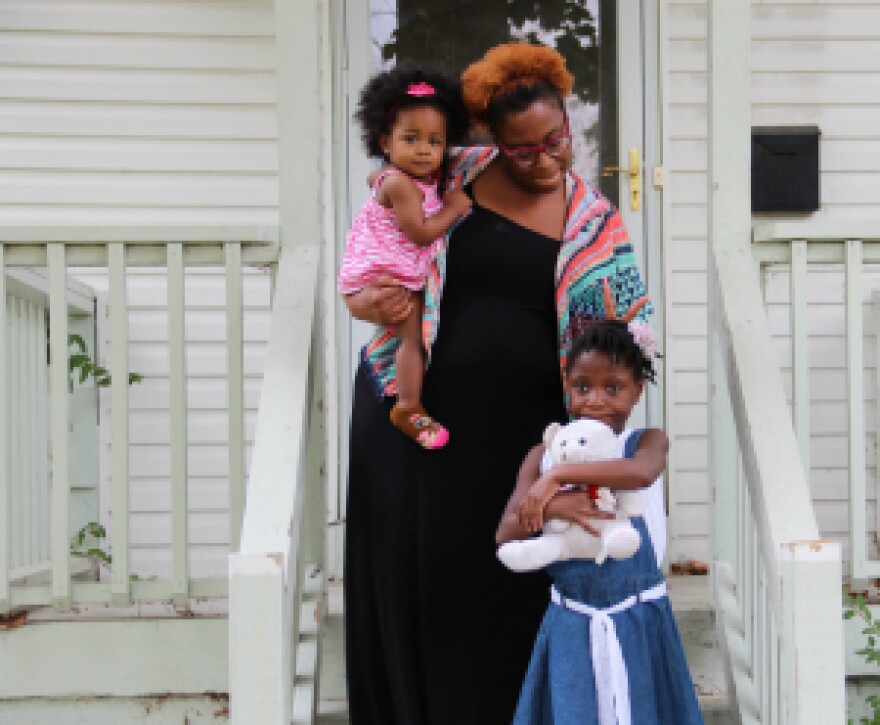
{"x":815,"y":63}
{"x":152,"y":113}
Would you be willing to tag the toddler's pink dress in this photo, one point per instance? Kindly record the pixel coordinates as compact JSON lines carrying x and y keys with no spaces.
{"x":376,"y":245}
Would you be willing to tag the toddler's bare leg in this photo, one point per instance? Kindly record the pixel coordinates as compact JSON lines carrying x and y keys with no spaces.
{"x":410,"y":361}
{"x":408,"y":414}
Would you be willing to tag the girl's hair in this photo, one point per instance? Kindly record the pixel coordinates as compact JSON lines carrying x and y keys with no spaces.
{"x":511,"y":77}
{"x":613,"y":339}
{"x":388,"y":92}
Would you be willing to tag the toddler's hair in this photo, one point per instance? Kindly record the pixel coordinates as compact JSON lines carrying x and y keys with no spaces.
{"x":510,"y":77}
{"x":614,"y":339}
{"x":386,"y":93}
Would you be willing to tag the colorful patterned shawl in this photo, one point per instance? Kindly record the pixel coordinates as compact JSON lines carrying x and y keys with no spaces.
{"x":595,"y":246}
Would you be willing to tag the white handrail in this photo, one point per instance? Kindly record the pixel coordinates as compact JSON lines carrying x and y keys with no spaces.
{"x":138,"y":235}
{"x":777,"y":584}
{"x":265,"y":588}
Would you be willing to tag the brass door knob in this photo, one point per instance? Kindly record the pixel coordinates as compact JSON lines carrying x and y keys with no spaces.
{"x":634,"y":171}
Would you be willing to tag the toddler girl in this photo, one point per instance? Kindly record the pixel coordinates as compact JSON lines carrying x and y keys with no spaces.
{"x":608,"y":651}
{"x":409,"y":115}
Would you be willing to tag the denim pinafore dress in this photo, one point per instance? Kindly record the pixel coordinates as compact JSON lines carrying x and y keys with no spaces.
{"x":615,"y":621}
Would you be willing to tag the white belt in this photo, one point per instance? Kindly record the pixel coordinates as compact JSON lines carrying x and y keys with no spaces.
{"x":609,"y":668}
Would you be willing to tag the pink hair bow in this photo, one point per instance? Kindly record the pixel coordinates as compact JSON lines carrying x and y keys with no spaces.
{"x":420,"y":89}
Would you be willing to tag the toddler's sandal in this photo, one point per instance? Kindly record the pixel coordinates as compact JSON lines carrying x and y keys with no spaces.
{"x":415,"y":423}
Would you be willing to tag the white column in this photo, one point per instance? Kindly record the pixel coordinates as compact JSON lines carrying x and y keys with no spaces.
{"x":729,"y":39}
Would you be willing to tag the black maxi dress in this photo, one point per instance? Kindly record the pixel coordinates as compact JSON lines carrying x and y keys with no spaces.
{"x":438,"y":632}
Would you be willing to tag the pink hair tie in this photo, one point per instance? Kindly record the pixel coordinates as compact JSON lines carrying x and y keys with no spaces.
{"x":420,"y":89}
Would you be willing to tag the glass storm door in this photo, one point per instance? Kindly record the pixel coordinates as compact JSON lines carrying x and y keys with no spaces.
{"x":453,"y":33}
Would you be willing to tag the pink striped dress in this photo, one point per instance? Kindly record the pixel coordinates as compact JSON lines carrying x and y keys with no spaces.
{"x":377,"y":246}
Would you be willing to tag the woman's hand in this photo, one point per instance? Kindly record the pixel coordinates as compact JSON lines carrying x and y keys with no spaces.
{"x":383,"y":302}
{"x":576,"y":506}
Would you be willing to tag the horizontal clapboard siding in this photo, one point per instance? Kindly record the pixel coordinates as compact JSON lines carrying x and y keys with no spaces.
{"x":152,"y":113}
{"x":812,"y":63}
{"x":138,"y":113}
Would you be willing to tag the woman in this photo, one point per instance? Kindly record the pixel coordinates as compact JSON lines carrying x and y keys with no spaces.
{"x":437,"y":631}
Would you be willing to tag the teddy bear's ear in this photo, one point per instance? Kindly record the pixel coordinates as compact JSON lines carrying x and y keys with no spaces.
{"x":550,"y":433}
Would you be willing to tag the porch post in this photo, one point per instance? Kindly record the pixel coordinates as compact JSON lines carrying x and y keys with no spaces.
{"x":264,"y":593}
{"x":729,"y":202}
{"x":298,"y":73}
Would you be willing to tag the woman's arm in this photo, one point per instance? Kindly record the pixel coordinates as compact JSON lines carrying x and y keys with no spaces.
{"x":405,"y":198}
{"x":576,"y":506}
{"x":382,"y":302}
{"x":640,"y":471}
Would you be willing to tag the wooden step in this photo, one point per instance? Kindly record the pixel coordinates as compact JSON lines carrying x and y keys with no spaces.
{"x":308,"y":652}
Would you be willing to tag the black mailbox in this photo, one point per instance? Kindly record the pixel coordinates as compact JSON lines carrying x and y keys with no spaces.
{"x":785,"y":168}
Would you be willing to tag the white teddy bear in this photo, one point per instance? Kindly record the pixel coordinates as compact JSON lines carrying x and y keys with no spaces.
{"x":580,"y":441}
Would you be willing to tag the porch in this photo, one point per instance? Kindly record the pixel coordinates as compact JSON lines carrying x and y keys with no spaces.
{"x":257,"y":637}
{"x":763,"y":623}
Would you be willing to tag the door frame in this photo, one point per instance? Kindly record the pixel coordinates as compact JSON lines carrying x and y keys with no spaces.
{"x":639,"y":126}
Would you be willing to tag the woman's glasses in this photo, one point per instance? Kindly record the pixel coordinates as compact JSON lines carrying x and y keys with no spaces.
{"x":554,"y":146}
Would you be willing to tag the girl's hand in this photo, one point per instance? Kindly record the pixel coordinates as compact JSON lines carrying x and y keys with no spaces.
{"x":458,"y":201}
{"x":531,"y":508}
{"x":576,"y":506}
{"x":383,"y":302}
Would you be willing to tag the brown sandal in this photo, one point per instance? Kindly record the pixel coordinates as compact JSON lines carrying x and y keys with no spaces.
{"x":415,"y":423}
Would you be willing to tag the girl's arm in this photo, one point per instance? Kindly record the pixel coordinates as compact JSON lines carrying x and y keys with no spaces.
{"x":383,"y":302}
{"x":405,"y":198}
{"x":640,"y":471}
{"x":576,"y":506}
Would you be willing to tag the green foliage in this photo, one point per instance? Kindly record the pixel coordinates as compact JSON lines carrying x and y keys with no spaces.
{"x":455,"y":33}
{"x":86,"y":544}
{"x":81,"y":366}
{"x":856,"y":605}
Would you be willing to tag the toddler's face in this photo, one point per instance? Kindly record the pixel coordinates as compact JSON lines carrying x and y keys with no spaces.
{"x":417,"y":141}
{"x":602,"y":390}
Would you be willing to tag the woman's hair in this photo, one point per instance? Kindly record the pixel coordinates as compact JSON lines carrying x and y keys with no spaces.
{"x":403,"y":87}
{"x":613,"y":339}
{"x":511,"y":77}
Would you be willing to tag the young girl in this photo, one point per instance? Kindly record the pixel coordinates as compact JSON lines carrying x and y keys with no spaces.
{"x":608,"y":651}
{"x":409,"y":115}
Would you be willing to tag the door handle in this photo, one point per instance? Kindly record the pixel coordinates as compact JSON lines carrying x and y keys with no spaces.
{"x":634,"y":171}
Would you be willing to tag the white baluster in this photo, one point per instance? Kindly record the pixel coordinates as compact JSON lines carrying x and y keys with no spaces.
{"x":235,"y":382}
{"x":60,"y":425}
{"x":120,"y":585}
{"x":177,"y":353}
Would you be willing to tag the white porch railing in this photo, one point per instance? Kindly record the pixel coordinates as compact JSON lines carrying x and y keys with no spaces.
{"x":26,"y":386}
{"x":57,"y":250}
{"x":844,"y":249}
{"x":276,"y":579}
{"x":27,"y":458}
{"x":776,"y":583}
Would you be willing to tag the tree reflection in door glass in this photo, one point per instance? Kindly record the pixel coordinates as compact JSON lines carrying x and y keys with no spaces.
{"x":453,"y":33}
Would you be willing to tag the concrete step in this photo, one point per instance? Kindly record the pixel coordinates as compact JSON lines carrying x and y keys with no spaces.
{"x":695,"y":618}
{"x":693,"y":614}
